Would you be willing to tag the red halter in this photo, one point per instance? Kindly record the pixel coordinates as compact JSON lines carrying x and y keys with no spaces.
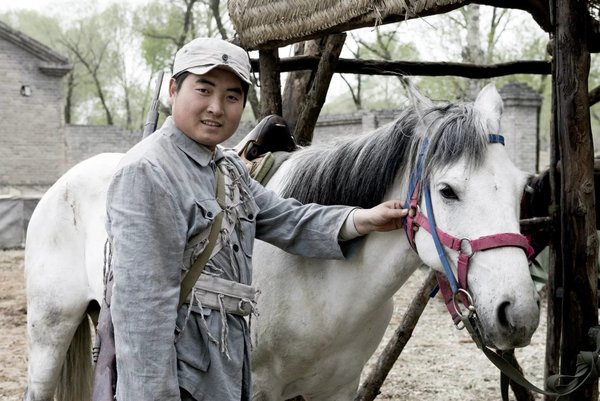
{"x":448,"y":284}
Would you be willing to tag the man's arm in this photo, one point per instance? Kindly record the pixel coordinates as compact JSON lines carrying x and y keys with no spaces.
{"x":148,"y":237}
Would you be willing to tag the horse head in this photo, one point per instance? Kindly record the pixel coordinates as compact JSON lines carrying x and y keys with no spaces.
{"x":474,"y":190}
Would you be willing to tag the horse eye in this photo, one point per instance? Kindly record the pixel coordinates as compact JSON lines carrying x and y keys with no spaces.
{"x":448,"y":193}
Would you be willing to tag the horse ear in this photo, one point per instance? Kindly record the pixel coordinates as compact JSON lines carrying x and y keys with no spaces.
{"x":418,"y":100}
{"x":489,"y":102}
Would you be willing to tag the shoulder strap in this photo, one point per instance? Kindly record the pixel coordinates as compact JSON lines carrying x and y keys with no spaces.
{"x":196,"y":270}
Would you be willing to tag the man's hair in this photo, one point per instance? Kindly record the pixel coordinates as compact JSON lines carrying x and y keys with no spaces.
{"x":181,"y":77}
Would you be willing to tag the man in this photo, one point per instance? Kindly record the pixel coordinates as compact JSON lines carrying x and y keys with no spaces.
{"x":161,"y":205}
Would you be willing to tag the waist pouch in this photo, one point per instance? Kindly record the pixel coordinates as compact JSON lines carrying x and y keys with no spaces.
{"x":223,"y":295}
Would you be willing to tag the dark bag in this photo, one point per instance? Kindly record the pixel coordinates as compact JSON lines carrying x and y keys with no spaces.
{"x":105,"y":373}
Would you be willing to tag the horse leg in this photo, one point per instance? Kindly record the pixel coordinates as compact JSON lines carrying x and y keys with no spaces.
{"x":59,"y":354}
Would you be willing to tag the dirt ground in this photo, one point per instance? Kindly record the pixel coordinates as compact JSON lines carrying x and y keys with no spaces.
{"x":439,"y":362}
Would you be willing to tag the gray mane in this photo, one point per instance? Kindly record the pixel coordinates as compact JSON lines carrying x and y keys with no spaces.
{"x":360,"y":171}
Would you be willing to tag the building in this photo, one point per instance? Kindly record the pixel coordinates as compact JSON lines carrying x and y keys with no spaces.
{"x":37,"y":147}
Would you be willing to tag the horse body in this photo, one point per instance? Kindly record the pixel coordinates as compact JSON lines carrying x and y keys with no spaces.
{"x":63,"y":271}
{"x":320,"y":320}
{"x":298,"y":348}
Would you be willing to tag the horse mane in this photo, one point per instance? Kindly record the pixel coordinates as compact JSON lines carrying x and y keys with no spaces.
{"x":359,"y":171}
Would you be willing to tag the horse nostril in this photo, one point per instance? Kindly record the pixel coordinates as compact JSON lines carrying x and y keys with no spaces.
{"x":503,"y":311}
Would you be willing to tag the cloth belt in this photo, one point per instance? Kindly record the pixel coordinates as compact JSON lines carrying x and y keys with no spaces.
{"x":223,"y":295}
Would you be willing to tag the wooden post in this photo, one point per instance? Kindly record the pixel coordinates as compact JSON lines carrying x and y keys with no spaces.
{"x":577,"y":204}
{"x":555,"y":284}
{"x":307,"y":119}
{"x":270,"y":82}
{"x":297,"y":83}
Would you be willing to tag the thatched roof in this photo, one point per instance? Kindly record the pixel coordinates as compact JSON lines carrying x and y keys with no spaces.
{"x":274,"y":23}
{"x":268,"y":23}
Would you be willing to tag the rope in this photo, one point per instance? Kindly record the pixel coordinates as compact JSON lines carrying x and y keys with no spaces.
{"x":587,"y":368}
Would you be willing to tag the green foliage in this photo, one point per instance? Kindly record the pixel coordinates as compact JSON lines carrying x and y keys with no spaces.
{"x":116,"y":50}
{"x":160,"y":27}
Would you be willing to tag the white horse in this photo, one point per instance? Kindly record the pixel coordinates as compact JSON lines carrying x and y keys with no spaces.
{"x":320,"y":320}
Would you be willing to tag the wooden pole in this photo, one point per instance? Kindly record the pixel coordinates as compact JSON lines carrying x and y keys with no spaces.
{"x":270,"y":83}
{"x":422,"y":68}
{"x":298,"y":82}
{"x":309,"y":113}
{"x":577,"y":202}
{"x":554,"y":285}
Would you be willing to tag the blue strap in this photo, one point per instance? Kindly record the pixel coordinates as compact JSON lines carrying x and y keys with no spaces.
{"x":496,"y":138}
{"x":416,"y":175}
{"x":438,"y":244}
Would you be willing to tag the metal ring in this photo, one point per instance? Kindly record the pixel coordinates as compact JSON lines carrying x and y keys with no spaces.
{"x":471,"y":308}
{"x":466,"y":247}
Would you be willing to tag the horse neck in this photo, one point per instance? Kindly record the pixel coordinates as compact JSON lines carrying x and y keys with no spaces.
{"x":388,"y":261}
{"x":394,"y":258}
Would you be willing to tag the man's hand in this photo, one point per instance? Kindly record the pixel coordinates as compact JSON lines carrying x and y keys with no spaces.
{"x":386,"y":216}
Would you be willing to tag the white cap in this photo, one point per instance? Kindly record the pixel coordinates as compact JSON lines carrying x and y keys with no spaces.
{"x":203,"y":54}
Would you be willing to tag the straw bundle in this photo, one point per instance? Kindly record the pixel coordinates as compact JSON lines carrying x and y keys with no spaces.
{"x":261,"y":21}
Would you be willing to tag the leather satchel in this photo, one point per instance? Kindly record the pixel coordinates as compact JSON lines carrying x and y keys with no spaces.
{"x":105,"y":373}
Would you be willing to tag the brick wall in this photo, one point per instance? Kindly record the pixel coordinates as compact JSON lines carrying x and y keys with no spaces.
{"x":31,"y":130}
{"x":85,"y":141}
{"x":520,"y":125}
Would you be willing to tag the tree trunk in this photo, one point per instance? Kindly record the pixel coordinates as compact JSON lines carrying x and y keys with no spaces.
{"x":473,"y":52}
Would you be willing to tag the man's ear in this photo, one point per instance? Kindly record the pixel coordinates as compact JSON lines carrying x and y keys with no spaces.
{"x":172,"y":87}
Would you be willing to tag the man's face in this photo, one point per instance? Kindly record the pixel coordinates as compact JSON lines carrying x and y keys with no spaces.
{"x":208,"y":107}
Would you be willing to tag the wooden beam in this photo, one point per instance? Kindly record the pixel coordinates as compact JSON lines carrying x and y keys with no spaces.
{"x":577,"y":201}
{"x":422,"y":68}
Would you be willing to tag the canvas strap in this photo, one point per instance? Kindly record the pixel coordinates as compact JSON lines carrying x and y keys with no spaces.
{"x":196,"y":270}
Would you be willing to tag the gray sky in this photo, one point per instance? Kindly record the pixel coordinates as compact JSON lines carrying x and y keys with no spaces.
{"x":55,"y":6}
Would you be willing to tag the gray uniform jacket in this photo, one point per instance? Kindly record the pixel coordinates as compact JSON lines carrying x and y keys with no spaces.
{"x":160,"y":206}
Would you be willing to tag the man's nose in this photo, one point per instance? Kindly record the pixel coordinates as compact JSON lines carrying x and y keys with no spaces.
{"x":215,"y":106}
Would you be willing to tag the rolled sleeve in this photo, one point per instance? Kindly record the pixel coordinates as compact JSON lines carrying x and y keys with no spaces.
{"x":147,"y":234}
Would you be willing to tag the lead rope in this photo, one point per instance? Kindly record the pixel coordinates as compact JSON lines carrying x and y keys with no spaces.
{"x":587,"y":368}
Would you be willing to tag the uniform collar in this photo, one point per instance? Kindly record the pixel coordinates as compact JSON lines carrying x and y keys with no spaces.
{"x":197,"y":152}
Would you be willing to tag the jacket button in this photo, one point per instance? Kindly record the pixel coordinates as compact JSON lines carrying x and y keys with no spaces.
{"x":250,"y":216}
{"x":236,"y":247}
{"x":209,"y":215}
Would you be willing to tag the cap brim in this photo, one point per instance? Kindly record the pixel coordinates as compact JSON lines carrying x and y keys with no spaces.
{"x":204,"y":69}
